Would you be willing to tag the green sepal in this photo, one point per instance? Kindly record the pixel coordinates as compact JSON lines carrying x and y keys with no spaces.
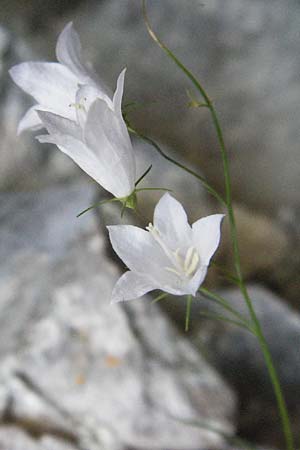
{"x":130,"y":201}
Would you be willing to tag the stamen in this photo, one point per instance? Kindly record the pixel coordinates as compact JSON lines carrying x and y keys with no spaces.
{"x":191,"y":261}
{"x":182,"y":268}
{"x":178,"y":257}
{"x":77,"y":106}
{"x":170,"y":269}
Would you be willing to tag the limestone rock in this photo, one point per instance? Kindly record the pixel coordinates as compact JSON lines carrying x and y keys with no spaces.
{"x":101,"y":376}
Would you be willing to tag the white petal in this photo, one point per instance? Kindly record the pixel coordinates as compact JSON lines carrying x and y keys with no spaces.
{"x":206,"y":236}
{"x":131,"y":285}
{"x":171,"y":221}
{"x":104,"y":135}
{"x":85,"y":97}
{"x":52,"y":85}
{"x":68,"y":50}
{"x":176,"y":286}
{"x":59,"y":125}
{"x":193,"y":285}
{"x":117,"y":99}
{"x":80,"y":153}
{"x":30,"y":120}
{"x":137,"y":249}
{"x":69,"y":53}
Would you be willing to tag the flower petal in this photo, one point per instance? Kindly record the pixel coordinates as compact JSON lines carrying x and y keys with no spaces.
{"x":80,"y":154}
{"x":85,"y":97}
{"x":131,"y":285}
{"x":69,"y":53}
{"x":117,"y":99}
{"x":52,"y":85}
{"x":105,"y":136}
{"x":137,"y":249}
{"x":68,"y":50}
{"x":59,"y":125}
{"x":193,"y":285}
{"x":171,"y":221}
{"x":206,"y":236}
{"x":176,"y":286}
{"x":30,"y":120}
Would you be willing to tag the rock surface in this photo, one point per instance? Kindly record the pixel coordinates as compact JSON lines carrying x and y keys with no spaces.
{"x":85,"y":371}
{"x":14,"y":438}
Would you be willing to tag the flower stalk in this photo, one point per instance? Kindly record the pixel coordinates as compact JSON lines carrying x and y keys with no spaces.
{"x":256,"y":326}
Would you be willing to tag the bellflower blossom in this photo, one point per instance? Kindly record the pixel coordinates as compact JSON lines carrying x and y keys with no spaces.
{"x":99,"y":142}
{"x":171,"y":255}
{"x":55,"y":86}
{"x":81,"y":119}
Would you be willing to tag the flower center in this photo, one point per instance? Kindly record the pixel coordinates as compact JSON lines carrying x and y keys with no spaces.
{"x":184,"y":267}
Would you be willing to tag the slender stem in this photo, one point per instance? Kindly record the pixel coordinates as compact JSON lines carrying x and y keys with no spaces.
{"x":97,"y":204}
{"x":159,"y":297}
{"x":153,"y":189}
{"x":221,"y":318}
{"x":226,"y":274}
{"x":257,"y":327}
{"x":188,"y":311}
{"x":233,"y":232}
{"x":222,"y":302}
{"x":209,"y":188}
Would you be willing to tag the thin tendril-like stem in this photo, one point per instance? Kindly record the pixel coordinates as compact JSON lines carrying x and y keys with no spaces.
{"x":221,"y":318}
{"x":96,"y":205}
{"x":188,"y":312}
{"x":153,"y":189}
{"x":150,"y":141}
{"x":233,"y":232}
{"x":160,"y":297}
{"x":222,"y":302}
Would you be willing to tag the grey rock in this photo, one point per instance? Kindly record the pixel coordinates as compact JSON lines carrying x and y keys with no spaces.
{"x":236,"y":354}
{"x":36,"y":228}
{"x":14,"y":438}
{"x":100,"y":376}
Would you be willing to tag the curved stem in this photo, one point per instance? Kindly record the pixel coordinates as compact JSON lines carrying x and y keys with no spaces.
{"x":150,"y":141}
{"x":233,"y":232}
{"x":222,"y":302}
{"x":221,"y":318}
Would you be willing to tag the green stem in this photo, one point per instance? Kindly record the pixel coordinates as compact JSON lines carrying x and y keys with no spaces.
{"x":150,"y":141}
{"x":221,"y":318}
{"x":159,"y":297}
{"x":222,"y":302}
{"x":233,"y":232}
{"x":188,"y":311}
{"x":256,"y":324}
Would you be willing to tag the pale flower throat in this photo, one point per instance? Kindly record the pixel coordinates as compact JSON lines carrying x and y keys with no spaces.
{"x":183,"y":267}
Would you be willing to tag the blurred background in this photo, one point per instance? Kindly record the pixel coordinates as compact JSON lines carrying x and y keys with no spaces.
{"x":77,"y":373}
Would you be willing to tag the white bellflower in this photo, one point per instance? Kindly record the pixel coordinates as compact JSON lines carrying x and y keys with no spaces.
{"x":81,"y":119}
{"x":171,"y":255}
{"x":54,"y":85}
